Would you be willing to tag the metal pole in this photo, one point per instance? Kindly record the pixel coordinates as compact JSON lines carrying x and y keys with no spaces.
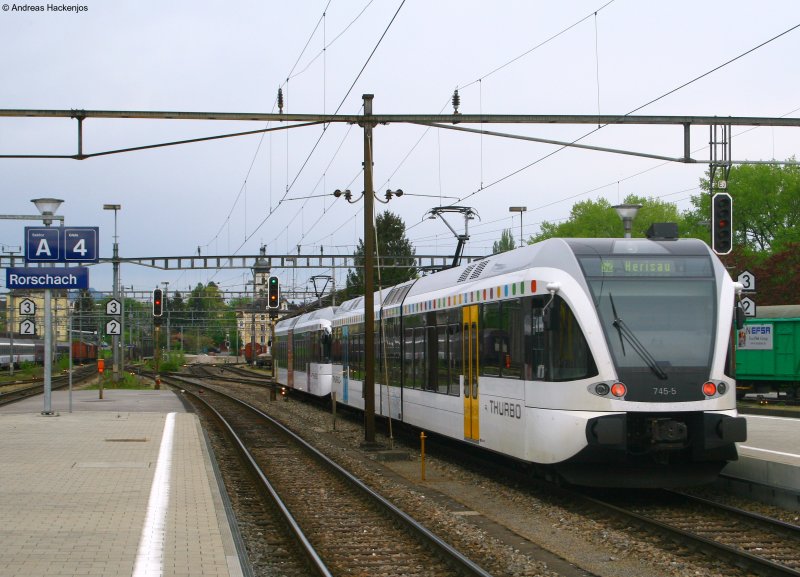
{"x":48,"y":353}
{"x":115,"y":338}
{"x":369,"y":284}
{"x":166,"y":310}
{"x":122,"y":330}
{"x":69,"y":340}
{"x":11,"y":334}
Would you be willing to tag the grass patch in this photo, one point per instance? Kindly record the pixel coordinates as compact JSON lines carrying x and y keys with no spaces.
{"x":126,"y":381}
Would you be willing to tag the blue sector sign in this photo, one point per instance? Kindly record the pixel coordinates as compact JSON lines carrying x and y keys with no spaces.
{"x":42,"y":244}
{"x":62,"y":244}
{"x":47,"y":278}
{"x":80,"y":244}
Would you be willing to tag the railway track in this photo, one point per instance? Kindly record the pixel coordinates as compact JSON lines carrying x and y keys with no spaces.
{"x":743,"y":539}
{"x":14,"y":392}
{"x":351,"y":529}
{"x":229,"y":373}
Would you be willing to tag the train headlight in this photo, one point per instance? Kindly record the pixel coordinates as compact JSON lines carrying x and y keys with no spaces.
{"x":722,"y":388}
{"x":618,"y":390}
{"x":601,"y":389}
{"x":709,"y":389}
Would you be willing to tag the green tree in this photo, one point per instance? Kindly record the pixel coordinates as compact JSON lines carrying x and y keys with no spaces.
{"x":766,"y":207}
{"x":598,"y":219}
{"x":394,"y":249}
{"x":505,"y":243}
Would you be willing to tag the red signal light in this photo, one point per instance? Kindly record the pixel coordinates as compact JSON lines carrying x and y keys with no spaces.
{"x":158,"y":309}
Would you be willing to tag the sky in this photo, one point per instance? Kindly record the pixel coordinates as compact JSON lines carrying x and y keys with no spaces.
{"x":232,"y":196}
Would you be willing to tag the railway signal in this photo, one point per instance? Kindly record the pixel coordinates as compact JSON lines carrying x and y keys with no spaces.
{"x":158,"y":302}
{"x":274,"y":292}
{"x":722,"y":223}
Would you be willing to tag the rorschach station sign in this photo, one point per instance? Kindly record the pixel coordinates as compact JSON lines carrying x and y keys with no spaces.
{"x":47,"y":278}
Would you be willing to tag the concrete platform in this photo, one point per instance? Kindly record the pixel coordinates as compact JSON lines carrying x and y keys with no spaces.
{"x":769,"y":462}
{"x":122,"y":486}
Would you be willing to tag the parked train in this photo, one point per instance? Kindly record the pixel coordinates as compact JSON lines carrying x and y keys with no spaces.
{"x":605,"y":362}
{"x":249,"y":348}
{"x":25,"y":350}
{"x":768,"y":352}
{"x":83,"y":352}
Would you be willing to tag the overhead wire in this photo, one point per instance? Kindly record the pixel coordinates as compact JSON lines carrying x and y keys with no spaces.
{"x":316,"y":144}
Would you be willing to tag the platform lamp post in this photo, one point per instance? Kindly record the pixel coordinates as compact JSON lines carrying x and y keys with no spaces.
{"x":520,"y":210}
{"x":115,"y":261}
{"x":47,"y":207}
{"x":627,"y":212}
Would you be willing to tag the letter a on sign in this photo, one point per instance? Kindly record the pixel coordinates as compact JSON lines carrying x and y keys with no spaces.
{"x":44,"y":248}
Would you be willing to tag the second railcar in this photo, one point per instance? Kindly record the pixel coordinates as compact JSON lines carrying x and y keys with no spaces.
{"x":302,"y":352}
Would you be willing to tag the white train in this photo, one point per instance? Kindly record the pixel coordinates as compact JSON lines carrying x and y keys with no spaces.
{"x":303,"y":344}
{"x":25,"y":350}
{"x":605,"y":362}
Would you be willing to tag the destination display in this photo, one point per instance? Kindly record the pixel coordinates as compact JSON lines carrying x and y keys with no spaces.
{"x":645,"y":266}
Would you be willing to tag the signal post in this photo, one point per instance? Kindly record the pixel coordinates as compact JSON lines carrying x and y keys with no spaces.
{"x":158,"y":310}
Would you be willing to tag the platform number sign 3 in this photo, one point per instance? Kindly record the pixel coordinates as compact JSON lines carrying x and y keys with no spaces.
{"x":27,"y":307}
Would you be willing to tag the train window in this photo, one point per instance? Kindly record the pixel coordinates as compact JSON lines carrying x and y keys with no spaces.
{"x":408,"y":358}
{"x":454,"y":335}
{"x":326,"y":341}
{"x":443,"y":359}
{"x":494,"y":341}
{"x":390,"y":350}
{"x":419,"y":358}
{"x":336,"y":345}
{"x":568,"y":349}
{"x":502,"y":339}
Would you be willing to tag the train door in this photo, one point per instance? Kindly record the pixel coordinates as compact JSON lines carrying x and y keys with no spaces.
{"x":345,"y":364}
{"x":469,"y":356}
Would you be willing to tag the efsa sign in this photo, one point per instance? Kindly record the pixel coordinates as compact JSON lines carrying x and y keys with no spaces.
{"x":62,"y":244}
{"x":47,"y":278}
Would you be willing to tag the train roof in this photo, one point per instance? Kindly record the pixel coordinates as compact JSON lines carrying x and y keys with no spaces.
{"x":315,"y":318}
{"x":558,"y":253}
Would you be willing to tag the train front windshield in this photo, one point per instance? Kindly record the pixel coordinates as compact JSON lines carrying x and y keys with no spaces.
{"x":658,"y":315}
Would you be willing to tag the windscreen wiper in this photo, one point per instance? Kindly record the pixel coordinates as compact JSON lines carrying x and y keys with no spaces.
{"x":626,"y":333}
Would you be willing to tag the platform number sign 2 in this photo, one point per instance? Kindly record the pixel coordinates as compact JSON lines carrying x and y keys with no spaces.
{"x":748,"y":306}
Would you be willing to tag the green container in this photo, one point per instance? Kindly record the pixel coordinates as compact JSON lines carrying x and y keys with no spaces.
{"x":768,"y":354}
